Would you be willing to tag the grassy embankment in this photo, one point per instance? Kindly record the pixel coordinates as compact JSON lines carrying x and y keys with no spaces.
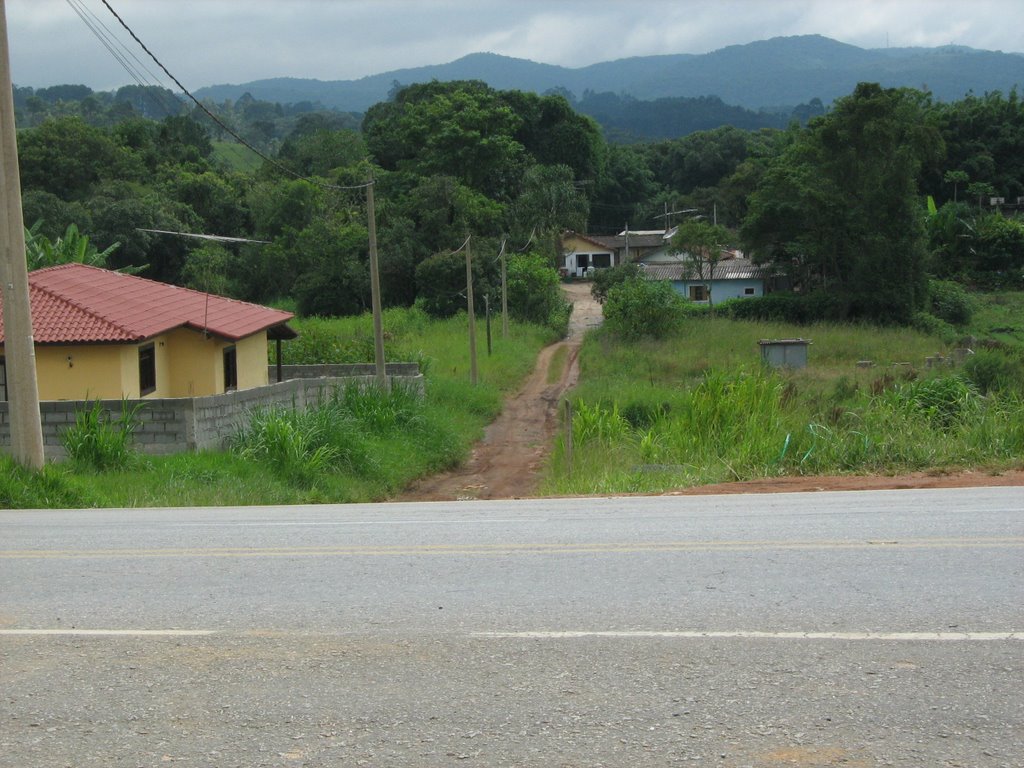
{"x":699,"y":408}
{"x":355,"y":448}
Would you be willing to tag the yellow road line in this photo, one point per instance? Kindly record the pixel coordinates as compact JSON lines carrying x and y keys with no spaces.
{"x":497,"y":550}
{"x":759,"y":635}
{"x":110,"y":632}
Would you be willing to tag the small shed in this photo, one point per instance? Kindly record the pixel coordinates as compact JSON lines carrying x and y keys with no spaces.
{"x":784,"y":353}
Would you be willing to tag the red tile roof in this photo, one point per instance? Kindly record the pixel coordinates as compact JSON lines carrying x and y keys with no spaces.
{"x":75,"y":304}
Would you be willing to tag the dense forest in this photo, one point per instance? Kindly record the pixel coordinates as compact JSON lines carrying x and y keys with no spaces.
{"x":866,"y":201}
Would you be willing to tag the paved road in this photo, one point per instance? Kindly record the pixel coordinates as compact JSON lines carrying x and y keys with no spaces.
{"x":855,"y":629}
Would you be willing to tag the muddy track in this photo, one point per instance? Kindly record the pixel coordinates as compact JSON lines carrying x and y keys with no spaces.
{"x":507,"y":463}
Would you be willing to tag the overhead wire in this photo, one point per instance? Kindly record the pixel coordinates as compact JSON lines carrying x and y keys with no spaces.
{"x":221,"y":123}
{"x":111,"y":41}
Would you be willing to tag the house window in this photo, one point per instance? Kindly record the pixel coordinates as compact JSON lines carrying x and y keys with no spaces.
{"x":698,"y":293}
{"x":3,"y":380}
{"x":602,"y":260}
{"x":147,"y":369}
{"x":748,"y":291}
{"x":230,"y":369}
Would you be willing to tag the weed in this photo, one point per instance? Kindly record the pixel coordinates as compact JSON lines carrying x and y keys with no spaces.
{"x":98,"y":443}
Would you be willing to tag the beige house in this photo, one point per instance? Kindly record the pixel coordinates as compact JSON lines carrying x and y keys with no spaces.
{"x":107,"y":335}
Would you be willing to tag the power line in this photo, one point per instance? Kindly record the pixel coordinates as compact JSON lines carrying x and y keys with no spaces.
{"x":107,"y":42}
{"x":217,"y":120}
{"x":106,"y":35}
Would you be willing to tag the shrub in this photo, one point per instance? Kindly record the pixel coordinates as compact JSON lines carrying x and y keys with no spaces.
{"x":950,"y":302}
{"x":606,"y":279}
{"x":639,"y":307}
{"x":535,"y":294}
{"x":992,"y":370}
{"x":319,"y":341}
{"x":641,"y":415}
{"x":933,"y":326}
{"x":784,"y":307}
{"x":441,"y":283}
{"x":95,"y":442}
{"x":944,"y":400}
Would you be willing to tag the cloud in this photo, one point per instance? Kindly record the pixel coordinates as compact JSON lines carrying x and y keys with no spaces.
{"x":216,"y":41}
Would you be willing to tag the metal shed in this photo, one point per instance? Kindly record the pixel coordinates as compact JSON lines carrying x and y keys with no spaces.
{"x":784,"y":353}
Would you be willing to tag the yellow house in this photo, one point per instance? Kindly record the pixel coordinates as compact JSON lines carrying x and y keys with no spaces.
{"x":107,"y":335}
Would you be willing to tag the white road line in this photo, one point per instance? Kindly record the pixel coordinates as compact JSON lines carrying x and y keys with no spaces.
{"x":112,"y":632}
{"x":756,"y":635}
{"x":333,"y":523}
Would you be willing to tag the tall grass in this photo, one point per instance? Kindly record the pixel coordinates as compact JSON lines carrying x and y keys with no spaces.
{"x":21,"y":488}
{"x":97,"y":442}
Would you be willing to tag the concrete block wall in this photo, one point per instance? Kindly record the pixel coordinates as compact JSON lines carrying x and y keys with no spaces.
{"x":174,"y":425}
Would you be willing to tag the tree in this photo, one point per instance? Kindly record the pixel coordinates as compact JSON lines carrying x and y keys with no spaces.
{"x":626,"y":182}
{"x":461,"y":129}
{"x":700,"y":246}
{"x":956,"y":178}
{"x":441,"y":282}
{"x":334,"y":278}
{"x":549,"y":204}
{"x":70,"y":248}
{"x":639,"y":308}
{"x":534,"y":290}
{"x":319,"y":152}
{"x":69,"y":158}
{"x":840,"y":209}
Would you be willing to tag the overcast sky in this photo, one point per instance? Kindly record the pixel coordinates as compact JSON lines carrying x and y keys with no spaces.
{"x":206,"y":42}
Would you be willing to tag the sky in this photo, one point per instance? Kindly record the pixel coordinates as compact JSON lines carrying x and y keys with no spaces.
{"x":209,"y":42}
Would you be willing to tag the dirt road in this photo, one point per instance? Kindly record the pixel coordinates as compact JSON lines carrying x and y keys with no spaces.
{"x":506,"y":464}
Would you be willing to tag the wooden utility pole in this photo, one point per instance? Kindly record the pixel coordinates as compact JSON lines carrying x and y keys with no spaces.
{"x":378,"y":323}
{"x":19,"y":346}
{"x":472,"y":315}
{"x":504,"y":291}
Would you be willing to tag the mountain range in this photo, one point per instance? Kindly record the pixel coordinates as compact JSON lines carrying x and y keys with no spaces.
{"x":766,"y":75}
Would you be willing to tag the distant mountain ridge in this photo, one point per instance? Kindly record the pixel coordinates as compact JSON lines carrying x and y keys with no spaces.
{"x":768,"y":74}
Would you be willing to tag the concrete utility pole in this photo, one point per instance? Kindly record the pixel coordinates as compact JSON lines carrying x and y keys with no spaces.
{"x":504,"y":291}
{"x":378,"y":322}
{"x":19,"y":346}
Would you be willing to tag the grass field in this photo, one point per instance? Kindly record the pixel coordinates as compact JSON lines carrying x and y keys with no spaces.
{"x":701,"y":408}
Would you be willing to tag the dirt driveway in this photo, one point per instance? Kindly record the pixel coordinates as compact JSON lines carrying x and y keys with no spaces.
{"x":508,"y":462}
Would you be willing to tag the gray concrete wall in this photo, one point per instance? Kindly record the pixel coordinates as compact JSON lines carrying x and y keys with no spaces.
{"x":173,"y":425}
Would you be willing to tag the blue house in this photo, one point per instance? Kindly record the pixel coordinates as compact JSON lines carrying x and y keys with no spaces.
{"x":734,"y":277}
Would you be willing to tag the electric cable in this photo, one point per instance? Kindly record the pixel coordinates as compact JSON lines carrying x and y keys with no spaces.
{"x":221,"y":123}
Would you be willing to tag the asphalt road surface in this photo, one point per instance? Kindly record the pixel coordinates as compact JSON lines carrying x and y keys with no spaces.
{"x":845,"y":629}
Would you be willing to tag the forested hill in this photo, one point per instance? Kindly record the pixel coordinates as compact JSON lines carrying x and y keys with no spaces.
{"x":769,"y":74}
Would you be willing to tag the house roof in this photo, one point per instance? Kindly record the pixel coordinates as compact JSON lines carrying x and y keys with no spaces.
{"x":76,"y":304}
{"x":644,"y":239}
{"x":726,"y":269}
